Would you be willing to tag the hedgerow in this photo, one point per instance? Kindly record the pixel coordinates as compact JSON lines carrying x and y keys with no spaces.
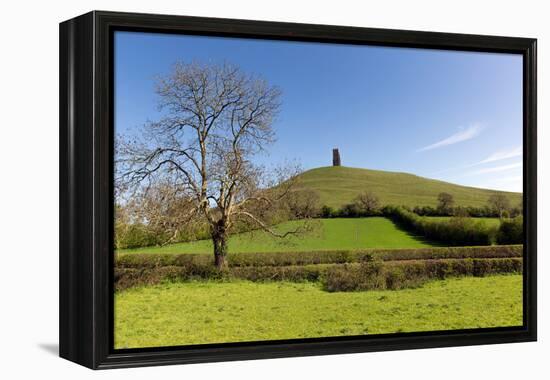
{"x":143,"y":260}
{"x":367,"y":275}
{"x":126,"y":277}
{"x":476,"y":212}
{"x":410,"y":274}
{"x":457,"y":231}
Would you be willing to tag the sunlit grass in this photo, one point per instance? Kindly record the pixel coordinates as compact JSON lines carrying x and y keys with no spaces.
{"x":211,"y":312}
{"x":326,"y":234}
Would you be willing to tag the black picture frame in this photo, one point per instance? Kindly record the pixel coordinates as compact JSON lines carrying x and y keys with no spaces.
{"x":86,"y":189}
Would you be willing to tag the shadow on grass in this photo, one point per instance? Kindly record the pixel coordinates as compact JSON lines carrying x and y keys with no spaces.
{"x":418,"y":238}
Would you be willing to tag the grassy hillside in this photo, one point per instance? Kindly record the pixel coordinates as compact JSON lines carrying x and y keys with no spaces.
{"x":326,"y":234}
{"x":339,"y":185}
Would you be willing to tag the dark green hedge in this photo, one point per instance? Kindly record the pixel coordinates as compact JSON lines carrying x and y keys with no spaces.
{"x":129,"y":277}
{"x":373,"y":274}
{"x":143,"y":260}
{"x":410,"y":274}
{"x":456,"y":231}
{"x":511,"y":231}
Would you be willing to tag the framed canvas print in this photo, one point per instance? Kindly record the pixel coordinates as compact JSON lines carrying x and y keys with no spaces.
{"x":238,"y":189}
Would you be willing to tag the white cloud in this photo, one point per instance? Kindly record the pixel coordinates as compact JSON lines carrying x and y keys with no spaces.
{"x":497,"y":156}
{"x":463,"y":135}
{"x":498,"y":168}
{"x":501,"y":155}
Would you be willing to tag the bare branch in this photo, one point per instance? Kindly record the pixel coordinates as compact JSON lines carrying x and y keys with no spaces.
{"x":267,"y":228}
{"x":214,"y":120}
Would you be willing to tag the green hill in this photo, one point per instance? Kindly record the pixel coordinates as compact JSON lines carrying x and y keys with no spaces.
{"x":339,"y":185}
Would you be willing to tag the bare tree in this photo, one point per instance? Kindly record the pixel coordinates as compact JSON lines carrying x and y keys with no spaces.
{"x":445,"y":202}
{"x":499,"y":203}
{"x":367,"y":202}
{"x":303,"y":203}
{"x":215,"y":119}
{"x":518,"y":210}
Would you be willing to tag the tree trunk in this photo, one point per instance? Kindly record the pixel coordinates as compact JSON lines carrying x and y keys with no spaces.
{"x":219,"y":238}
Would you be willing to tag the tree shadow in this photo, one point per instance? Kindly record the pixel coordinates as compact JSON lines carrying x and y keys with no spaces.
{"x":419,"y":238}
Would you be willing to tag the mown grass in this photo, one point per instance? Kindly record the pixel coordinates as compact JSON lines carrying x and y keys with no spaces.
{"x":340,"y":185}
{"x":326,"y":234}
{"x":216,"y":312}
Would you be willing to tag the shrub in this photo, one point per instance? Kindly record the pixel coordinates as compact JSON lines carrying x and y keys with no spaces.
{"x":411,"y":275}
{"x":511,"y":231}
{"x":365,"y":276}
{"x":350,"y":210}
{"x":302,"y":203}
{"x":342,"y":279}
{"x":327,"y":212}
{"x":427,"y":211}
{"x":367,"y":203}
{"x":135,"y":235}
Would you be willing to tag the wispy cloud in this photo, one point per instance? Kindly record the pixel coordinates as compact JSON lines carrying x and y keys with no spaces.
{"x":498,"y":168}
{"x":497,"y":156}
{"x":501,"y":155}
{"x":463,"y":135}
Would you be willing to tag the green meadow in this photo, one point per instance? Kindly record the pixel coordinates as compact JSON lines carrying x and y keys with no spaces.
{"x":199,"y":311}
{"x":325,"y":234}
{"x":216,"y":312}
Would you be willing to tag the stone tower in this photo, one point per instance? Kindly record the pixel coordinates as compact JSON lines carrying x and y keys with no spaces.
{"x":335,"y":157}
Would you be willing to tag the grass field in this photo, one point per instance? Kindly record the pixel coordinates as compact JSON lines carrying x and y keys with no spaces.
{"x":328,"y":234}
{"x":491,"y":222}
{"x":340,"y":185}
{"x":203,"y":312}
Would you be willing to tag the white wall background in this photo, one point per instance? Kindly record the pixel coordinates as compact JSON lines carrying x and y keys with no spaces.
{"x":29,"y":187}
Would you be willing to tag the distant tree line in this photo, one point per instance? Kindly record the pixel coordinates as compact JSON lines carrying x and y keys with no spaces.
{"x":143,"y":222}
{"x":498,"y":206}
{"x":368,"y":204}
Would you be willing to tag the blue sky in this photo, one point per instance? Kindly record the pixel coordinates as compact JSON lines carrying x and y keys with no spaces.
{"x":454,"y":116}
